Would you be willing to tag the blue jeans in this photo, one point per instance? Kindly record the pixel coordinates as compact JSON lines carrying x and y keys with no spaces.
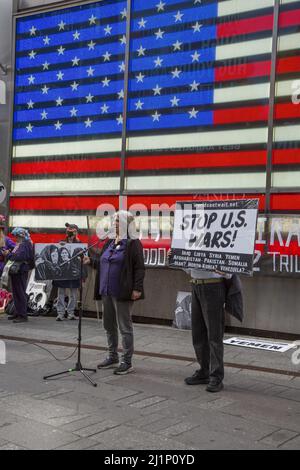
{"x":61,"y":307}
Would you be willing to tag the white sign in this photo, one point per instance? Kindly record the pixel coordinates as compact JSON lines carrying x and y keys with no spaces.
{"x":215,"y":235}
{"x":2,"y":193}
{"x":60,"y":261}
{"x":2,"y":353}
{"x":2,"y":92}
{"x":38,"y":292}
{"x":259,"y":344}
{"x":183,"y":311}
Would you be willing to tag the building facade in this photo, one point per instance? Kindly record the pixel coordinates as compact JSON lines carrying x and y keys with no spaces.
{"x":134,"y":105}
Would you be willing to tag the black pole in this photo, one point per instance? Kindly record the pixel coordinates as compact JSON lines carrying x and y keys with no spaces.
{"x":80,"y":309}
{"x":125,"y":102}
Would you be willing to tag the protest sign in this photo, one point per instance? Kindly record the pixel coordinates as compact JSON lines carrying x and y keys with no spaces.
{"x":259,"y":344}
{"x":183,"y":311}
{"x":215,"y":235}
{"x":58,"y":261}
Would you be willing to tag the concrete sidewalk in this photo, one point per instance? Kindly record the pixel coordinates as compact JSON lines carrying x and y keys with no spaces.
{"x":149,"y":409}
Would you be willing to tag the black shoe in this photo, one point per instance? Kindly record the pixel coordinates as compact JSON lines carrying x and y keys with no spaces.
{"x":20,"y":320}
{"x":12,"y":317}
{"x":198,"y":378}
{"x":108,"y":363}
{"x":33,"y":314}
{"x":214,"y":386}
{"x":123,"y":369}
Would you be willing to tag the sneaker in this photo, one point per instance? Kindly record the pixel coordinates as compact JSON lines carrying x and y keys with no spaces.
{"x":59,"y":318}
{"x":197,"y":378}
{"x":108,"y":363}
{"x":214,"y":386}
{"x":71,"y":317}
{"x":123,"y":369}
{"x":20,"y":320}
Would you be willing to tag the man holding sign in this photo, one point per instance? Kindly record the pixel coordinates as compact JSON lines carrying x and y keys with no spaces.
{"x":211,"y":241}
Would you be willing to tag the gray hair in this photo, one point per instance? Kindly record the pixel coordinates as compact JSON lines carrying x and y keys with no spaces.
{"x":127,"y":224}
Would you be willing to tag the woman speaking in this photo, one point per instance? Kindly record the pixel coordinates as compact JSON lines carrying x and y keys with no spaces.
{"x":119,"y":282}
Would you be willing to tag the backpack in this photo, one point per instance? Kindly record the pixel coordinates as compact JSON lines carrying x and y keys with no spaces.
{"x":234,"y":297}
{"x":5,"y":297}
{"x":10,"y":308}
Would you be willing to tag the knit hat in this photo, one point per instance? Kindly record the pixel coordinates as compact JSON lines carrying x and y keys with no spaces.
{"x":21,"y":232}
{"x":71,"y":227}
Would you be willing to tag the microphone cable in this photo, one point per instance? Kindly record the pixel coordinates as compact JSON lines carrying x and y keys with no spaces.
{"x":50,"y":352}
{"x":76,"y":348}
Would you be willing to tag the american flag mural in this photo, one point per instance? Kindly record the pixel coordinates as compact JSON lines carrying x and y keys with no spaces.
{"x":198,"y":106}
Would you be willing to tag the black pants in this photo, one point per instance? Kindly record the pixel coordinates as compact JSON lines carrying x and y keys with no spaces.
{"x":208,"y":320}
{"x":19,"y":284}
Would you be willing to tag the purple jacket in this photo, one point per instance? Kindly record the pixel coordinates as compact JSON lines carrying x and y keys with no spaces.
{"x":111,"y":265}
{"x":133,"y":271}
{"x":24,"y":254}
{"x":9,"y":246}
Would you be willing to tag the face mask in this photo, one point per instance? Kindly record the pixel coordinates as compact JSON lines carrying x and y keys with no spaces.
{"x":71,"y":234}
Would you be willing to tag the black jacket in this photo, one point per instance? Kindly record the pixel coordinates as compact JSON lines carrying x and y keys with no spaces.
{"x":234,"y":297}
{"x":133,"y":272}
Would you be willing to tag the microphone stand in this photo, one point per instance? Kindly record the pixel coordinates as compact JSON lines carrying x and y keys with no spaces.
{"x":78,"y":367}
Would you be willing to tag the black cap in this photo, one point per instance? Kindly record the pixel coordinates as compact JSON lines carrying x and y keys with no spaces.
{"x":72,"y":227}
{"x":2,"y":221}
